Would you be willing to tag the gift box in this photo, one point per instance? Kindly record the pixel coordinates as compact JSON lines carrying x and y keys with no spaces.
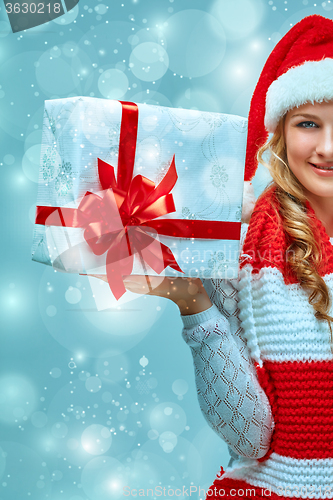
{"x":134,"y":188}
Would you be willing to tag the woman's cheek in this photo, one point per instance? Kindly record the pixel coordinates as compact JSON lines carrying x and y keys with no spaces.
{"x":299,"y":146}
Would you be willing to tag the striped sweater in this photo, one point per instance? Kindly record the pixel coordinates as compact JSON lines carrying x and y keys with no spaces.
{"x":290,"y":350}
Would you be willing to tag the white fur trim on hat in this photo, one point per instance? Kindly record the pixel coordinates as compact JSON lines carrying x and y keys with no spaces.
{"x":309,"y":82}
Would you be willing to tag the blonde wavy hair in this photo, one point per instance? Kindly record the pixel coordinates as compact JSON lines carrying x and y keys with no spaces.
{"x":303,"y":254}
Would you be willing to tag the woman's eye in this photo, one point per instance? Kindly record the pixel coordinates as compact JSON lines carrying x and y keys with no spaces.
{"x":307,"y":125}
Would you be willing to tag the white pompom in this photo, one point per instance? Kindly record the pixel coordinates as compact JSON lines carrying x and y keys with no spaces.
{"x":249,"y":201}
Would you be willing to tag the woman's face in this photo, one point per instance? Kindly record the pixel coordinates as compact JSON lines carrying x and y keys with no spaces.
{"x":309,"y":141}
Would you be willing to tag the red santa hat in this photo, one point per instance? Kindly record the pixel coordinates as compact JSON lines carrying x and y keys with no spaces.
{"x":298,"y":70}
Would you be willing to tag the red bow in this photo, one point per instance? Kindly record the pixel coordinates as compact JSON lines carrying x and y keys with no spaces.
{"x":114,"y":223}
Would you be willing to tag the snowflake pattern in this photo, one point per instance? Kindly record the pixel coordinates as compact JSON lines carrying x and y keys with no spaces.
{"x":187,"y":214}
{"x":219,"y":176}
{"x":113,"y":134}
{"x":238,"y":213}
{"x":161,"y":171}
{"x":48,"y":164}
{"x":64,"y":181}
{"x":217,"y":262}
{"x":215,"y":121}
{"x":52,"y":124}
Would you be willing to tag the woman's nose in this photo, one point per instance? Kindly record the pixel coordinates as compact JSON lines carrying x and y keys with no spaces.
{"x":325,"y":143}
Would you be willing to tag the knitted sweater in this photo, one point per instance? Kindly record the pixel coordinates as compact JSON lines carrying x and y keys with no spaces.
{"x":285,"y":445}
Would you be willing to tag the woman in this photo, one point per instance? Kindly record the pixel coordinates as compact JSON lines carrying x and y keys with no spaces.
{"x":262,"y":345}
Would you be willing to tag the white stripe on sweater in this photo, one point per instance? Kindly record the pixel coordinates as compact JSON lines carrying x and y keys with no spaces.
{"x":278,"y":321}
{"x":287,"y":476}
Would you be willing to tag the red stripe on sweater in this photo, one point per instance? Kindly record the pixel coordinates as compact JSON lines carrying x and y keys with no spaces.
{"x":301,"y":397}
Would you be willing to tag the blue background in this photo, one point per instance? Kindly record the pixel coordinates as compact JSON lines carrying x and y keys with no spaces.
{"x":91,"y":401}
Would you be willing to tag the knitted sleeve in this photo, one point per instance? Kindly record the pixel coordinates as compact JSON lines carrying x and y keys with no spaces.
{"x":230,"y":397}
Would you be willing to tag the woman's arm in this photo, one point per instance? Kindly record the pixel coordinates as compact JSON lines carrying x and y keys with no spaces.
{"x":229,"y":394}
{"x":189,"y":294}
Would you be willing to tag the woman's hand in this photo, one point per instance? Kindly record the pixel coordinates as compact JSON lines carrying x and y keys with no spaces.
{"x":188,"y":293}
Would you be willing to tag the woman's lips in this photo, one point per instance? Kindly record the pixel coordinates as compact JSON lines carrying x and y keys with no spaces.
{"x":323,"y":166}
{"x":322,"y":170}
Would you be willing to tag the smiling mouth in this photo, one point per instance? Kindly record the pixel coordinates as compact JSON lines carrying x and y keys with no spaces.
{"x":321,"y":167}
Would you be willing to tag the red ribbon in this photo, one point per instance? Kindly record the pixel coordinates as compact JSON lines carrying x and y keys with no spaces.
{"x":118,"y":223}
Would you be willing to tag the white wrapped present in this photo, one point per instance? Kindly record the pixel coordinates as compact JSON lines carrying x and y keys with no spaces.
{"x":176,"y":190}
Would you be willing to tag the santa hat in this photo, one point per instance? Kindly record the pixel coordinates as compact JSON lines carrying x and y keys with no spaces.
{"x":298,"y":70}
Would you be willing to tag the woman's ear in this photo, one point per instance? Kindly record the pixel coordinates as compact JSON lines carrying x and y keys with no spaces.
{"x":249,"y":201}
